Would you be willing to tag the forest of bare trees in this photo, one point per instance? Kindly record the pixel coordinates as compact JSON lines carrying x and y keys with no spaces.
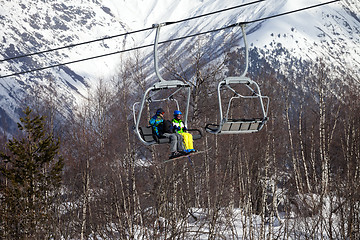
{"x":298,"y":178}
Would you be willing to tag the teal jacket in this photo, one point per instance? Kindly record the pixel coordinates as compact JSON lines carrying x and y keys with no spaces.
{"x":157,"y":124}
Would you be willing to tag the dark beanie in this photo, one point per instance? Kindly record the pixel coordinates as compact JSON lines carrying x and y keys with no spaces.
{"x":160,"y":110}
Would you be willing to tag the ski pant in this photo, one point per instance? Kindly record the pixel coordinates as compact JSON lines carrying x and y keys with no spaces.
{"x":188,"y":140}
{"x":176,"y":142}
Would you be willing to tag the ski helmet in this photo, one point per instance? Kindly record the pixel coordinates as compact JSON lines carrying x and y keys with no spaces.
{"x":177,"y":112}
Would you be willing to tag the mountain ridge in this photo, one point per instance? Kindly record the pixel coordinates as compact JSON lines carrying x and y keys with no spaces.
{"x":39,"y":25}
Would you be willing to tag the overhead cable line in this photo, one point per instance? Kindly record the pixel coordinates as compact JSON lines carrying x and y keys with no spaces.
{"x":128,"y":33}
{"x":170,"y":40}
{"x":75,"y":44}
{"x":113,"y":53}
{"x":211,"y":13}
{"x":76,"y":61}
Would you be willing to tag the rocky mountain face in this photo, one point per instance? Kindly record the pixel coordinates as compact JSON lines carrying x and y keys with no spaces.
{"x":287,"y":43}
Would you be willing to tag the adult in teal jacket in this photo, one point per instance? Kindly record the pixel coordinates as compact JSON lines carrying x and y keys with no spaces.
{"x":176,"y":140}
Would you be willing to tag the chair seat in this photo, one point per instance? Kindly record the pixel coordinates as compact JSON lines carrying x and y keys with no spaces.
{"x":148,"y":135}
{"x":233,"y":126}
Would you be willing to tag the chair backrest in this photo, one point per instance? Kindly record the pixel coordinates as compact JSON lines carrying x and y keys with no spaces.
{"x":148,"y":136}
{"x":242,"y":126}
{"x":147,"y":133}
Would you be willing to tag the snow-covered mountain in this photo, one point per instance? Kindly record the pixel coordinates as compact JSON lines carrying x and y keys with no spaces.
{"x":330,"y":31}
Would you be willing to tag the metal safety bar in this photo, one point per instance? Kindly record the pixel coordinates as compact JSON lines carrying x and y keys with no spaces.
{"x":242,"y":79}
{"x":162,"y":84}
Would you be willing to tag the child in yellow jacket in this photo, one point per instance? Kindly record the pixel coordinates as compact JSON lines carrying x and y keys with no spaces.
{"x":180,"y":128}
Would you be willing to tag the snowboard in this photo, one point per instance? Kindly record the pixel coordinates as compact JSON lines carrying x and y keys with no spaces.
{"x":184,"y":156}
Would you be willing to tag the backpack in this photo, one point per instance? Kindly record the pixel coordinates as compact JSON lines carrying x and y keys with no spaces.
{"x":168,"y":127}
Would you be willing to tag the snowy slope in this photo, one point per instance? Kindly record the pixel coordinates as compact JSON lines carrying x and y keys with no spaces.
{"x":331,"y":32}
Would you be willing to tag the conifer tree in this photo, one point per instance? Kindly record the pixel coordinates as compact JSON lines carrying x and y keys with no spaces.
{"x":31,"y":177}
